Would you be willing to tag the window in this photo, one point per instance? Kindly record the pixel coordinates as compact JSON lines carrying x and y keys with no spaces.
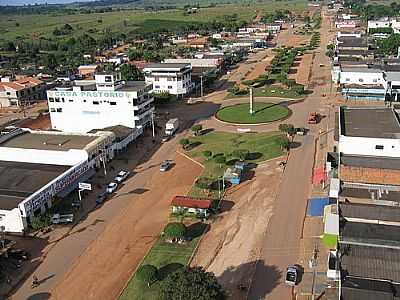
{"x":156,"y":86}
{"x":379,"y":147}
{"x":59,"y":109}
{"x":51,"y":99}
{"x":62,"y":99}
{"x":361,"y":80}
{"x":375,"y":80}
{"x":169,"y":79}
{"x":113,"y":103}
{"x":57,"y":99}
{"x":96,"y":102}
{"x":70,"y":100}
{"x":84,"y":100}
{"x":8,"y":93}
{"x":170,"y":87}
{"x":108,"y":79}
{"x":52,"y":109}
{"x":156,"y":78}
{"x":347,"y":79}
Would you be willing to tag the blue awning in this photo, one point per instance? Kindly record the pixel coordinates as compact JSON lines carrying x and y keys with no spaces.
{"x":316,"y":206}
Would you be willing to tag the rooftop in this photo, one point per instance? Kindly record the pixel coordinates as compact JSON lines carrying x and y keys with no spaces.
{"x":44,"y":141}
{"x":373,"y":162}
{"x":171,"y":66}
{"x":354,"y":288}
{"x":369,"y":122}
{"x":20,"y":180}
{"x":358,"y":193}
{"x":371,"y":262}
{"x":184,"y":201}
{"x":370,"y":212}
{"x":361,"y":70}
{"x":371,"y":234}
{"x":132,"y":86}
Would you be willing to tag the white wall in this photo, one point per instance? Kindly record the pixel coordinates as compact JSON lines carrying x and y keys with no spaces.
{"x":367,"y":146}
{"x":162,"y":83}
{"x":12,"y":220}
{"x":378,"y":24}
{"x":92,"y":110}
{"x":62,"y":158}
{"x":348,"y":77}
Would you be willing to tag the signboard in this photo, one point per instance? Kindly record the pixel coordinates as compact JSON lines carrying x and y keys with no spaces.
{"x":85,"y":186}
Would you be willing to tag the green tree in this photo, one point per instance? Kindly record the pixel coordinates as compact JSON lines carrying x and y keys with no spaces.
{"x":287,"y":128}
{"x":220,"y":160}
{"x":204,"y":183}
{"x":284,"y":143}
{"x":192,"y":284}
{"x":147,"y":274}
{"x":175,"y":231}
{"x":184,"y":143}
{"x":242,"y":154}
{"x":196,"y":129}
{"x":207,"y":154}
{"x":130,"y":72}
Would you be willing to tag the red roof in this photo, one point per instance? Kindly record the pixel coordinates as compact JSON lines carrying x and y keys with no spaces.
{"x":184,"y":201}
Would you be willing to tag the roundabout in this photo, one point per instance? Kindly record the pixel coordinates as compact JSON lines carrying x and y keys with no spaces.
{"x":263,"y":112}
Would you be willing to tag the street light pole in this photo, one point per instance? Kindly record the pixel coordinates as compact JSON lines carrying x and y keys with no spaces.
{"x":152,"y":124}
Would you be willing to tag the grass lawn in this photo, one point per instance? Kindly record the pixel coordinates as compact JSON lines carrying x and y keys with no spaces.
{"x":167,"y":258}
{"x":269,"y":91}
{"x":264,"y":112}
{"x":262,"y":146}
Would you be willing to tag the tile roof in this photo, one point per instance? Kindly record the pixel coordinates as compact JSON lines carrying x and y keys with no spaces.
{"x":184,"y":201}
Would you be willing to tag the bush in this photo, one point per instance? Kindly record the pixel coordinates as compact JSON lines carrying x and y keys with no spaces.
{"x":197,"y":128}
{"x":299,"y":89}
{"x":207,"y":154}
{"x":147,"y":274}
{"x":40,"y":222}
{"x":184,"y":143}
{"x":204,"y":182}
{"x":175,"y":231}
{"x":242,"y":154}
{"x":248,"y":82}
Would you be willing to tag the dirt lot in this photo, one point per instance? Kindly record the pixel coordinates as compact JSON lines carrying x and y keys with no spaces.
{"x":231,"y":248}
{"x":107,"y":264}
{"x":303,"y":69}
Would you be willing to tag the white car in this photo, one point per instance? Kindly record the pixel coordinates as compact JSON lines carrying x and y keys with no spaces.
{"x":121,"y":176}
{"x":165,"y":165}
{"x":111,"y":187}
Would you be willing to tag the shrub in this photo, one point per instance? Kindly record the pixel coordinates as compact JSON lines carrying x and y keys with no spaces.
{"x":175,"y":231}
{"x":204,"y":182}
{"x":147,"y":274}
{"x":184,"y":143}
{"x":40,"y":222}
{"x":207,"y":154}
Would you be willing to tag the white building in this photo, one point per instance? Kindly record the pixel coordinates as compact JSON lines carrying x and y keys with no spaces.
{"x":24,"y":91}
{"x":103,"y":102}
{"x":362,"y":76}
{"x":196,"y":62}
{"x":37,"y":167}
{"x":174,"y":78}
{"x":385,"y":23}
{"x":369,"y":131}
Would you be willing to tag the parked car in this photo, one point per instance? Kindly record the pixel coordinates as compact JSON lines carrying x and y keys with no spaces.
{"x":111,"y":187}
{"x":121,"y":176}
{"x":166,"y":138}
{"x":62,"y":219}
{"x":18,"y":254}
{"x":292,"y":275}
{"x":100,"y":198}
{"x":165,"y":165}
{"x":300,"y":131}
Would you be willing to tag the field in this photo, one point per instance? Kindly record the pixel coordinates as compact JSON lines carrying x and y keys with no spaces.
{"x":263,"y":146}
{"x":167,"y":258}
{"x":126,"y":21}
{"x":263,"y":113}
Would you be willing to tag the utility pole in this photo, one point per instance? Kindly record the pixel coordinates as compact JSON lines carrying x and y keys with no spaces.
{"x":152,"y":124}
{"x":313,"y":265}
{"x":201,"y":86}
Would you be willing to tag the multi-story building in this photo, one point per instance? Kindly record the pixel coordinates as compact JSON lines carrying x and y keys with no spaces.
{"x":174,"y":78}
{"x":103,"y":102}
{"x":21,"y":92}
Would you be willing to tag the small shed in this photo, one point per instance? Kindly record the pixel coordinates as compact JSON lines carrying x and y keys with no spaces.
{"x":234,"y":175}
{"x":198,"y":206}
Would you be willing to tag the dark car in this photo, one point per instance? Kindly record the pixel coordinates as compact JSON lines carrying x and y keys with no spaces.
{"x":100,"y":198}
{"x":292,"y":274}
{"x":18,"y":254}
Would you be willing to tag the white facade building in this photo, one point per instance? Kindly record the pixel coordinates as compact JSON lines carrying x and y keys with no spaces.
{"x":362,"y":76}
{"x":369,"y":131}
{"x":174,"y":78}
{"x":103,"y":102}
{"x":38,"y":166}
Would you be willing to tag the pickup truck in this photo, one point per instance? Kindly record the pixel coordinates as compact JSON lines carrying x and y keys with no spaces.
{"x":62,"y":219}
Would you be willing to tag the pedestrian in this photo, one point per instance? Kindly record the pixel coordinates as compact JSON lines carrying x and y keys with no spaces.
{"x":35,"y":281}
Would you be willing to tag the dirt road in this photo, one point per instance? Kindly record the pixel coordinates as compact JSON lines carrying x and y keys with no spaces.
{"x":281,"y":245}
{"x":231,"y":248}
{"x":100,"y":253}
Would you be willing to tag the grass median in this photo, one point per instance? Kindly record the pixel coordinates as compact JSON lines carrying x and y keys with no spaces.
{"x":261,"y":147}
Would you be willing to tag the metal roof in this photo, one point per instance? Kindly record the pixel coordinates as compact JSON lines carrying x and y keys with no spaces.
{"x":370,"y":212}
{"x":371,"y":262}
{"x":354,"y":288}
{"x":19,"y":180}
{"x":374,"y":162}
{"x":370,"y":122}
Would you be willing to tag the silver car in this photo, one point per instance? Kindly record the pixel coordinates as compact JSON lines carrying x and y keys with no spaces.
{"x":292,"y":275}
{"x":165,"y":165}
